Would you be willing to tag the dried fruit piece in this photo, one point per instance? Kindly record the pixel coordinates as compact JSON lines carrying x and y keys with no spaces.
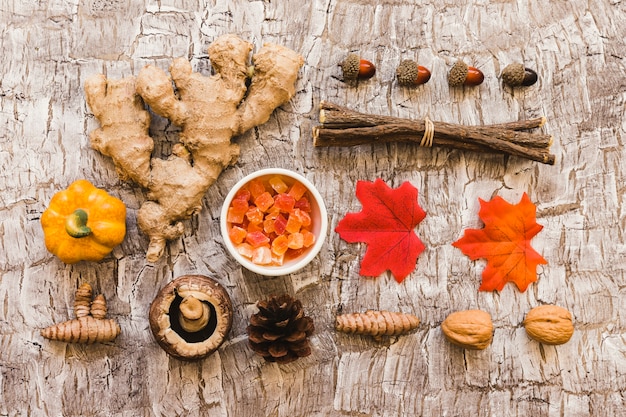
{"x":462,"y":74}
{"x":280,"y":245}
{"x":264,"y":201}
{"x":257,"y":239}
{"x":308,"y":238}
{"x":284,"y":202}
{"x":303,"y":204}
{"x":293,"y":224}
{"x":297,"y":191}
{"x":411,"y":74}
{"x":549,"y":324}
{"x":295,"y":241}
{"x":246,"y":250}
{"x":237,"y":234}
{"x":469,"y":329}
{"x":254,"y":215}
{"x":515,"y":75}
{"x":262,"y":255}
{"x":279,"y":331}
{"x":376,"y":323}
{"x":278,"y":184}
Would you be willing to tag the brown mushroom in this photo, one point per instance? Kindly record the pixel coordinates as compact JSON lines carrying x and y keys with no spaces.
{"x":191,"y":317}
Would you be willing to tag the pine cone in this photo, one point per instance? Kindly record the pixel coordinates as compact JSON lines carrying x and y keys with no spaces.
{"x":279,"y":331}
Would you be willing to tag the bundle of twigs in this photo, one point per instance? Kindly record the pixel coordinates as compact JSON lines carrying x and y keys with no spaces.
{"x":341,"y":126}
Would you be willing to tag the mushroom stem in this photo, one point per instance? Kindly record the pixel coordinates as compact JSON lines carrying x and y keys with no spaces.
{"x":194,"y":314}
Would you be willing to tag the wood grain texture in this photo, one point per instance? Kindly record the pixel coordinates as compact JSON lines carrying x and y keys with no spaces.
{"x":50,"y":47}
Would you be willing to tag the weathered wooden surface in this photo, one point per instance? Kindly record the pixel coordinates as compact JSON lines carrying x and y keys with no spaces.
{"x":50,"y":47}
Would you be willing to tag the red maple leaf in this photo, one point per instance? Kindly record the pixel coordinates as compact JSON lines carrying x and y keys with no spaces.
{"x":386,"y":225}
{"x":505,"y":243}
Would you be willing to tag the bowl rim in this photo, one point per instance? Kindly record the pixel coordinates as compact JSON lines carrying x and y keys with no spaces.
{"x":275,"y":270}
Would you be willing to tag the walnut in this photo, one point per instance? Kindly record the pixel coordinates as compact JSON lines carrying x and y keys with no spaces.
{"x":470,"y":329}
{"x":549,"y":324}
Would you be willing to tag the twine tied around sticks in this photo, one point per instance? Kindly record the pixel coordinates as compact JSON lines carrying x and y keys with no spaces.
{"x":429,"y":133}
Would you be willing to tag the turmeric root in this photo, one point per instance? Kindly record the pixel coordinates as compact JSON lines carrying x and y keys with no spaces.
{"x":209,"y":110}
{"x":89,"y":326}
{"x":376,"y":323}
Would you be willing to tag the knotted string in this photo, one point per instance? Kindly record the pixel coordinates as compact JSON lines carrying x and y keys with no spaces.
{"x":429,"y":133}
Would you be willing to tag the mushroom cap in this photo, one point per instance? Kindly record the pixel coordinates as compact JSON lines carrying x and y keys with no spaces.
{"x":513,"y":74}
{"x":407,"y":72}
{"x":167,"y":330}
{"x":457,"y":74}
{"x":350,"y":67}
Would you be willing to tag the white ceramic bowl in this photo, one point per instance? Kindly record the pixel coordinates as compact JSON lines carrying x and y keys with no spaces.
{"x":319,"y":222}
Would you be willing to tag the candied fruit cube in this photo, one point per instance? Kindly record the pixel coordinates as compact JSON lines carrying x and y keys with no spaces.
{"x":264,"y":201}
{"x":279,"y":224}
{"x":262,"y":255}
{"x":245,"y":249}
{"x":239,"y":206}
{"x":242,"y":195}
{"x":303,"y":204}
{"x":293,"y":224}
{"x":256,"y":187}
{"x":308,"y":238}
{"x":237,"y":234}
{"x":278,"y":260}
{"x":302,"y":216}
{"x":254,"y":215}
{"x":268,"y":225}
{"x":234,"y":217}
{"x":255,"y":227}
{"x":257,"y":239}
{"x":284,"y":202}
{"x":297,"y":190}
{"x":278,"y":184}
{"x":295,"y":241}
{"x":280,"y":245}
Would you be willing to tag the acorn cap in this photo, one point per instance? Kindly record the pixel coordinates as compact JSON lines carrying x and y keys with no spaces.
{"x":350,"y":67}
{"x":407,"y":72}
{"x":513,"y":74}
{"x":457,"y":74}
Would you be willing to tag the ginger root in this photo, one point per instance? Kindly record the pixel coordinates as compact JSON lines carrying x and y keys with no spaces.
{"x":89,"y":326}
{"x":209,"y":110}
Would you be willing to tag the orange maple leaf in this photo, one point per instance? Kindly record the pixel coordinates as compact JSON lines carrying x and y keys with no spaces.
{"x":505,"y":243}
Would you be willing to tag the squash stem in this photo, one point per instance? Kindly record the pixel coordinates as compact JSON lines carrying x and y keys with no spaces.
{"x":76,"y":224}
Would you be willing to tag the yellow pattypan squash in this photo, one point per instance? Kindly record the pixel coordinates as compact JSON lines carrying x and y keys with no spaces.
{"x":83,"y":223}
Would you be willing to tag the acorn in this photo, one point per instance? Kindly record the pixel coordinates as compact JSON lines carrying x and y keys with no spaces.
{"x":516,"y":75}
{"x":411,"y":74}
{"x":462,"y":74}
{"x":354,"y":68}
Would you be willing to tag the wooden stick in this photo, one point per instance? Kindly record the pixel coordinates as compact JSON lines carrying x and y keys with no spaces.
{"x":344,"y":127}
{"x":333,"y":116}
